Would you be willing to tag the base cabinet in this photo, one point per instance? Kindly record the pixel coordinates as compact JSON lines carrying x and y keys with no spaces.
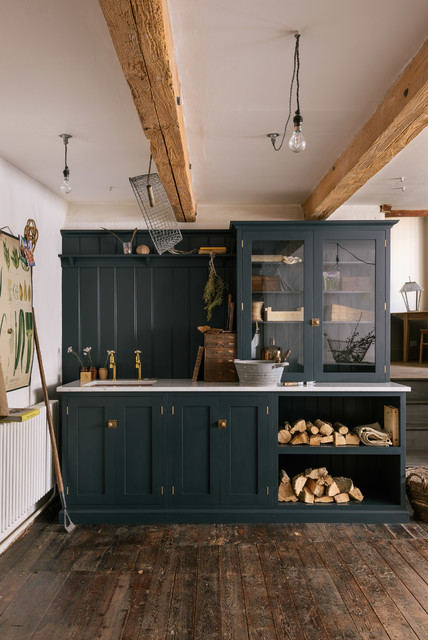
{"x":214,"y":457}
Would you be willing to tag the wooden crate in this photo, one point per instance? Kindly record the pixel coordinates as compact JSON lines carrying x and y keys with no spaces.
{"x":266,"y":283}
{"x":219,"y":354}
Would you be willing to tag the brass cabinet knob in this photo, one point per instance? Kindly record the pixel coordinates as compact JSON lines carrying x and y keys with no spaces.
{"x":221,"y":424}
{"x":112,"y":424}
{"x":315,"y":322}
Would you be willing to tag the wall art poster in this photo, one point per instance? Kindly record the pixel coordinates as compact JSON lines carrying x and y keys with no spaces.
{"x":16,"y":315}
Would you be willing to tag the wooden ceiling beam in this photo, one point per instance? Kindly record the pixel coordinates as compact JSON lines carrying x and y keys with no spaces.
{"x":141,"y":34}
{"x":401,"y":116}
{"x":403,"y":213}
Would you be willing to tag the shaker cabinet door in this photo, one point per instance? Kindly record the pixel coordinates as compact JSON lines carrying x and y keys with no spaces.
{"x":90,"y":451}
{"x":139,"y":451}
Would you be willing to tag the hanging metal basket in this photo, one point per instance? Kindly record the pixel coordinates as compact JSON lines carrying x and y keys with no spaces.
{"x":157,"y":211}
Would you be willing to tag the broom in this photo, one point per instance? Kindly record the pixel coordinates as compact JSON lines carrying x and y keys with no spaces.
{"x":68,"y":524}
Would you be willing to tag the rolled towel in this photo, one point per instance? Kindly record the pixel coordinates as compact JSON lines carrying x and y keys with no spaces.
{"x":373,"y":435}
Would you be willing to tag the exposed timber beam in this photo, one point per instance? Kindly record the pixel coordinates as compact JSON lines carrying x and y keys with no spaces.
{"x":403,"y":213}
{"x":401,"y":116}
{"x":141,"y":34}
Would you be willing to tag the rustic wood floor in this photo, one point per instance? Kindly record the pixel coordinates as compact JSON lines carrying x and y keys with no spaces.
{"x":258,"y":582}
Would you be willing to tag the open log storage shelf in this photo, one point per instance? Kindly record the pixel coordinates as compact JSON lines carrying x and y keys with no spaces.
{"x":200,"y":453}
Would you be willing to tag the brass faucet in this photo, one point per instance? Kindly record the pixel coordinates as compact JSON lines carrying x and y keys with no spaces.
{"x":138,"y":363}
{"x":113,"y":364}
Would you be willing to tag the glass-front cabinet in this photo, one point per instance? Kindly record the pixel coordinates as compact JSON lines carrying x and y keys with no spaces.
{"x":318,"y":290}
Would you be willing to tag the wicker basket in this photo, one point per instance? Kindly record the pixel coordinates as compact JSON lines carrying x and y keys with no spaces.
{"x":417,"y":491}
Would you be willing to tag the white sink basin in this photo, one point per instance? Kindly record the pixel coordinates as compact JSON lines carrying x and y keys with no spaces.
{"x":122,"y":383}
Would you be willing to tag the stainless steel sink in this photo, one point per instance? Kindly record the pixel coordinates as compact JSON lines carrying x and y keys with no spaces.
{"x":122,"y":383}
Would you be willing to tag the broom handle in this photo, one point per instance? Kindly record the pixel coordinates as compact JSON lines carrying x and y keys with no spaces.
{"x":48,"y":411}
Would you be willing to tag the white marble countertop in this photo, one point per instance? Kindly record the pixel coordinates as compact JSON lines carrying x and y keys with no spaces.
{"x":110,"y":386}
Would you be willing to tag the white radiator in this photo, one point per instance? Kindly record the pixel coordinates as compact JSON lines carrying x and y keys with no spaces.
{"x":26,"y":468}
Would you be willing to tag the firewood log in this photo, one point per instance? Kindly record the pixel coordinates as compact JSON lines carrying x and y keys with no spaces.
{"x":298,"y":426}
{"x":326,"y":439}
{"x":341,"y":428}
{"x":352,"y":438}
{"x":316,"y":489}
{"x":306,"y":496}
{"x":326,"y":429}
{"x":315,"y":441}
{"x":339,"y":440}
{"x":300,"y":438}
{"x":298,"y":482}
{"x":283,"y":476}
{"x":328,"y":479}
{"x":324,"y":499}
{"x":345,"y":484}
{"x":286,"y":425}
{"x":323,"y":423}
{"x":284,"y":436}
{"x":320,"y":472}
{"x":356,"y":494}
{"x":286,"y":493}
{"x":332,"y":489}
{"x":341,"y":497}
{"x":311,"y":428}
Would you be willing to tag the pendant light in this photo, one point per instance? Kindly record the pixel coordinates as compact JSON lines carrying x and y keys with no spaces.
{"x":297,"y":141}
{"x":65,"y":186}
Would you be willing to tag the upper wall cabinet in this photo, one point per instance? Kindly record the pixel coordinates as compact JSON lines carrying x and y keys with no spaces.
{"x":321,"y":290}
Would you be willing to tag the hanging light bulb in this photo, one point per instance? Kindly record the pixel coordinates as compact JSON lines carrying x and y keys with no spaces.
{"x":65,"y":186}
{"x":297,"y":142}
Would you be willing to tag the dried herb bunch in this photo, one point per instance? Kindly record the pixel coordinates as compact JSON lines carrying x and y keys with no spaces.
{"x":214,"y":289}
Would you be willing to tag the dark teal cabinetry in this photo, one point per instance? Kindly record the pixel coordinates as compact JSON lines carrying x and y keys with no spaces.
{"x":221,"y":452}
{"x":322,"y":290}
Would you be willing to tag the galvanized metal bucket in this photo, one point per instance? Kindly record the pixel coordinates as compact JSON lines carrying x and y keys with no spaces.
{"x":259,"y":373}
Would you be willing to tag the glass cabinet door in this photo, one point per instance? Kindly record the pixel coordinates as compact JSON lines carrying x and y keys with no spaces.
{"x":275,"y":319}
{"x":349,"y":269}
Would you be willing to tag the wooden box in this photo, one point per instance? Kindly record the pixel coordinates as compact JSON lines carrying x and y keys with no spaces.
{"x":265,"y":283}
{"x":219,"y":354}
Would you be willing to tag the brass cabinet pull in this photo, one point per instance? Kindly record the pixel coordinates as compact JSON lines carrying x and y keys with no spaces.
{"x":315,"y":322}
{"x":112,"y":424}
{"x":221,"y":424}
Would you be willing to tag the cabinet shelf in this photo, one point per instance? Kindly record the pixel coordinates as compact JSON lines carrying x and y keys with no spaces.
{"x":334,"y":451}
{"x":348,"y":322}
{"x":264,"y":292}
{"x":278,"y":321}
{"x":336,"y":291}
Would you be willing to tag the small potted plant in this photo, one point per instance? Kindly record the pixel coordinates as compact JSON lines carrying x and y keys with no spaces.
{"x":85,"y":374}
{"x":92,"y":369}
{"x":103,"y":371}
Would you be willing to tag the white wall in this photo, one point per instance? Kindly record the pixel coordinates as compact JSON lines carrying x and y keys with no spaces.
{"x":22,"y":198}
{"x":408,"y":258}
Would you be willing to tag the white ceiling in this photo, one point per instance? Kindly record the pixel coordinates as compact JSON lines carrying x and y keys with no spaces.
{"x":60,"y":74}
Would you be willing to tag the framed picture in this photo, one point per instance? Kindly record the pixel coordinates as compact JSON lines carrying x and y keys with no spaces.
{"x":16,"y":314}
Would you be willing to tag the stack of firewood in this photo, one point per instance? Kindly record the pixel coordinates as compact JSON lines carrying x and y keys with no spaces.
{"x":316,"y":433}
{"x":317,"y":486}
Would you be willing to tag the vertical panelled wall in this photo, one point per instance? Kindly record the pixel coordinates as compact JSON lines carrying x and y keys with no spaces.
{"x":113,"y":301}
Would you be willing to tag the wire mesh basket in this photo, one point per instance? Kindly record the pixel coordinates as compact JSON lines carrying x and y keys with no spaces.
{"x":157,"y":211}
{"x":343,"y":352}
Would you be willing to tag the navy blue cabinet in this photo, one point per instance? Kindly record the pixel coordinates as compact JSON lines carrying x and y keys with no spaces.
{"x":320,"y":289}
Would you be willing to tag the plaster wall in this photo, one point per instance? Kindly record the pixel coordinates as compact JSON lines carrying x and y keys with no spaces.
{"x":22,"y":198}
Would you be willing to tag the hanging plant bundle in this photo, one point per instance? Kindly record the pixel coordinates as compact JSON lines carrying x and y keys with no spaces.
{"x":214,"y":289}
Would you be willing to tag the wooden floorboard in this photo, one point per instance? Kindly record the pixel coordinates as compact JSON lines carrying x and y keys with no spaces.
{"x":216,"y":582}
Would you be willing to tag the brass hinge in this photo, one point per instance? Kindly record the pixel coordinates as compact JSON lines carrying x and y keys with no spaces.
{"x":384,"y":306}
{"x":67,"y":490}
{"x":172,"y":489}
{"x":162,"y":490}
{"x":161,"y":410}
{"x":384,"y":368}
{"x":172,"y":410}
{"x":267,"y":491}
{"x":67,"y":410}
{"x":267,"y":410}
{"x":385,"y":242}
{"x":242,"y":306}
{"x":242,"y":243}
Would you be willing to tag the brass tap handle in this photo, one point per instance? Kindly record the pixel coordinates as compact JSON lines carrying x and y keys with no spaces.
{"x":138,"y":362}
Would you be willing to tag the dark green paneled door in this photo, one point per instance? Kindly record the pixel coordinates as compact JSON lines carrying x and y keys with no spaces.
{"x":91,"y":467}
{"x":139,"y":450}
{"x":196,"y":451}
{"x":245,"y":454}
